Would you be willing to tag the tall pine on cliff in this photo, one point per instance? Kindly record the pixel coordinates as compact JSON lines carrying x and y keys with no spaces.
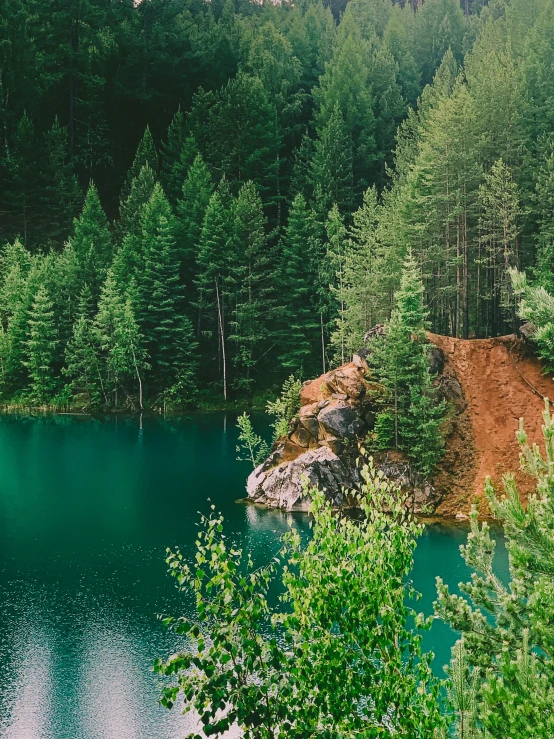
{"x":412,"y":418}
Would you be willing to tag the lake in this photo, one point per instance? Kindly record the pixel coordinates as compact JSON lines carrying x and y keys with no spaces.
{"x":87,"y":509}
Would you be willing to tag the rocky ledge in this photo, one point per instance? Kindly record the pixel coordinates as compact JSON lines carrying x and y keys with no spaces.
{"x":337,"y":411}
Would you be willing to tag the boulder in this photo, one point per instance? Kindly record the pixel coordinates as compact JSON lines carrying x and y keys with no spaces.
{"x":340,"y":420}
{"x":436,"y":361}
{"x":281,"y":486}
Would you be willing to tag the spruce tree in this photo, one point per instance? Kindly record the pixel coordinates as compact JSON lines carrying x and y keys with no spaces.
{"x":60,"y":193}
{"x":171,"y":150}
{"x":544,"y":198}
{"x":160,"y":295}
{"x":296,"y":286}
{"x":40,"y":348}
{"x":128,"y":356}
{"x":191,"y":208}
{"x":331,"y":167}
{"x":365,"y":290}
{"x":400,"y":359}
{"x":499,"y":226}
{"x":130,"y":210}
{"x":146,"y":154}
{"x":253,"y":285}
{"x":335,"y":264}
{"x":82,"y":361}
{"x":92,"y":242}
{"x":213,"y":282}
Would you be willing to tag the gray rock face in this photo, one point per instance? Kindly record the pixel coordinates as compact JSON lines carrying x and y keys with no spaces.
{"x":340,"y":420}
{"x":281,"y":486}
{"x":422,"y":496}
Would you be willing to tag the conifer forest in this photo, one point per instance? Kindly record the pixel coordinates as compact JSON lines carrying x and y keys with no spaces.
{"x":199,"y":199}
{"x":205,"y":204}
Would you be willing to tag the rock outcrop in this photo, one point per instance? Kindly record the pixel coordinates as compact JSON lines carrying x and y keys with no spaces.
{"x":337,"y":411}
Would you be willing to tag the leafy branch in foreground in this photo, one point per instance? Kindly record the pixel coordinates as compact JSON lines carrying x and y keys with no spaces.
{"x":336,"y":659}
{"x":285,"y":407}
{"x":508,"y":630}
{"x":250,"y":446}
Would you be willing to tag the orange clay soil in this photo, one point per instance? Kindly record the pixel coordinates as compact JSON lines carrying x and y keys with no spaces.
{"x":502,"y":382}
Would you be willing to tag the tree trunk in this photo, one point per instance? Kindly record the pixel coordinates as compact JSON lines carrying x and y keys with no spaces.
{"x":222,"y":337}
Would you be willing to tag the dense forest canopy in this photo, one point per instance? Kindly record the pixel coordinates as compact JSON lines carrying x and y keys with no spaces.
{"x":219,"y":194}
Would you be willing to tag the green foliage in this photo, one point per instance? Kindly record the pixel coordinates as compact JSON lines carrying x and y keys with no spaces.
{"x":507,"y":633}
{"x":251,"y":447}
{"x":336,"y":659}
{"x":285,"y":407}
{"x":40,"y":348}
{"x":400,"y":360}
{"x":536,"y":306}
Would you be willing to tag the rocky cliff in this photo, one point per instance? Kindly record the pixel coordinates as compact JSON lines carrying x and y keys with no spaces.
{"x":489,"y":384}
{"x":337,"y":411}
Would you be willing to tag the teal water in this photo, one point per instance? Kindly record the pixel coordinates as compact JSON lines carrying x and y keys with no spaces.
{"x":87,"y":508}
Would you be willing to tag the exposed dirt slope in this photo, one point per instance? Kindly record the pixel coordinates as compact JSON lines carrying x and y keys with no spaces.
{"x":502,"y":383}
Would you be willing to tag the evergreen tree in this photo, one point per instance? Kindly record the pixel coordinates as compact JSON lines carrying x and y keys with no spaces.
{"x":130,"y":210}
{"x":171,"y":148}
{"x":160,"y":294}
{"x":498,"y":235}
{"x":336,"y":262}
{"x":146,"y":154}
{"x":214,"y":263}
{"x":365,"y":288}
{"x":92,"y":242}
{"x":40,"y":348}
{"x":299,"y":333}
{"x":544,"y":195}
{"x":346,"y":86}
{"x":253,"y":286}
{"x":401,"y":362}
{"x":128,"y":355}
{"x":191,"y":209}
{"x":19,"y":189}
{"x":60,"y":193}
{"x":331,"y":167}
{"x":82,"y":364}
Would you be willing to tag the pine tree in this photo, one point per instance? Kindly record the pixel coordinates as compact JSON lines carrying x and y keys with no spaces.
{"x":82,"y":364}
{"x":160,"y":294}
{"x":106,"y":323}
{"x":253,"y":285}
{"x":499,"y":219}
{"x":60,"y":192}
{"x":171,"y":150}
{"x":346,"y":86}
{"x":214,"y":287}
{"x":40,"y":348}
{"x":331,"y":168}
{"x":296,"y":286}
{"x":400,"y":360}
{"x":146,"y":154}
{"x":92,"y":242}
{"x":191,"y":209}
{"x":544,"y":194}
{"x":364,"y":285}
{"x":19,"y":188}
{"x":336,"y":261}
{"x":130,"y":210}
{"x":128,"y":357}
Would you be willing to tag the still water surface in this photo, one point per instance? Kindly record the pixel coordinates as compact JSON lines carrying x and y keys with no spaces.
{"x":87,"y":508}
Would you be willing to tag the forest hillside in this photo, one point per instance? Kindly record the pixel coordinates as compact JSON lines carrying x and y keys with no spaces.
{"x":197,"y":199}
